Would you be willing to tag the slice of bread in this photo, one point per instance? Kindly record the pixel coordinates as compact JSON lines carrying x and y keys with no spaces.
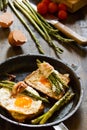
{"x":20,"y":107}
{"x":38,"y":80}
{"x":22,"y":117}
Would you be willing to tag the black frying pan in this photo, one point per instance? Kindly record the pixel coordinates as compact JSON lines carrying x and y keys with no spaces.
{"x":25,"y":64}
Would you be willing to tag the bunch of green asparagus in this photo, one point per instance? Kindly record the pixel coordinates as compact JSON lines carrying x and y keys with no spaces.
{"x":59,"y":85}
{"x":3,"y":4}
{"x":44,"y":28}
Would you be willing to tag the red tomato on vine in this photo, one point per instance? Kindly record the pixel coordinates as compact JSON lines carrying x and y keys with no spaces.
{"x":62,"y":15}
{"x":42,"y":8}
{"x":62,"y":6}
{"x":52,"y":7}
{"x":46,"y":2}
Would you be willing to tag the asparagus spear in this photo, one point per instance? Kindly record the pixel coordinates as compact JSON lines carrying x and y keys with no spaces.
{"x":26,"y":92}
{"x":45,"y":35}
{"x":60,"y":38}
{"x":36,"y":19}
{"x":38,"y":119}
{"x":27,"y":3}
{"x":51,"y":30}
{"x":7,"y":82}
{"x":1,"y":5}
{"x":5,"y":85}
{"x":55,"y":84}
{"x":64,"y":100}
{"x":5,"y":3}
{"x":27,"y":26}
{"x":57,"y":78}
{"x":10,"y":84}
{"x":28,"y":14}
{"x":34,"y":15}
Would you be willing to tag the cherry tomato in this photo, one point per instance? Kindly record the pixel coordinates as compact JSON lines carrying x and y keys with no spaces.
{"x":62,"y":15}
{"x":52,"y":7}
{"x":42,"y":8}
{"x":46,"y":2}
{"x":62,"y":6}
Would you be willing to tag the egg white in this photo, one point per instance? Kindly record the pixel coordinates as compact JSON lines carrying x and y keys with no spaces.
{"x":8,"y":102}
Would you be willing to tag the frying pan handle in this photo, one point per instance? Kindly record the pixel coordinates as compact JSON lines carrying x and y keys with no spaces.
{"x":70,"y":33}
{"x":61,"y":126}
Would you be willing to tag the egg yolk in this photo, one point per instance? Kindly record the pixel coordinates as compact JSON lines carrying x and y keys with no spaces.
{"x":45,"y":81}
{"x":23,"y":101}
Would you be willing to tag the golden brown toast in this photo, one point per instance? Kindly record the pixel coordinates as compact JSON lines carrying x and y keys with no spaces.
{"x":20,"y":107}
{"x":38,"y":80}
{"x":22,"y":117}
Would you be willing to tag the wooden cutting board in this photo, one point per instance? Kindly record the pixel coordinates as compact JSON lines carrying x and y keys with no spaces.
{"x":73,"y":5}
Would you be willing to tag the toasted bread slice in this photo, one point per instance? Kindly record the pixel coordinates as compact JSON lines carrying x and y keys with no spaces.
{"x":22,"y":117}
{"x":21,"y":107}
{"x":38,"y":79}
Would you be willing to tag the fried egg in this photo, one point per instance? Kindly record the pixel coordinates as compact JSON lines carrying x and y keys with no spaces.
{"x":20,"y":105}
